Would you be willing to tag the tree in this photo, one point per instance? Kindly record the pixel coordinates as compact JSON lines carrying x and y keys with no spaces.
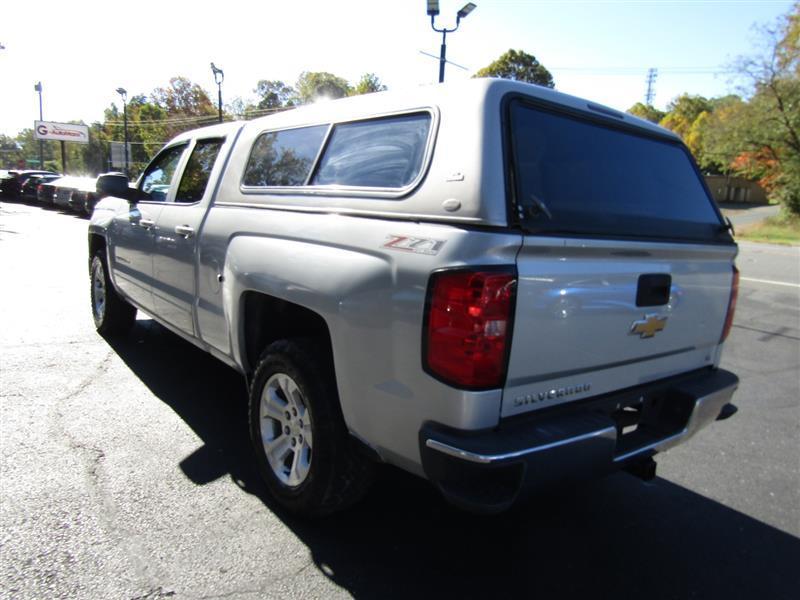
{"x":689,"y":116}
{"x":29,"y":151}
{"x":182,"y":97}
{"x":274,"y":94}
{"x":316,"y":85}
{"x":368,"y":84}
{"x":10,"y":152}
{"x":519,"y":66}
{"x":767,"y":128}
{"x":683,"y":111}
{"x":95,"y":153}
{"x":646,"y":112}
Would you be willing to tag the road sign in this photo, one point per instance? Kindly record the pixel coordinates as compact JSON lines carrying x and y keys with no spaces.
{"x":65,"y":132}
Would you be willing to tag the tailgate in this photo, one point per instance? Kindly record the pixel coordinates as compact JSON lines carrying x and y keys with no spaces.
{"x":591,"y":316}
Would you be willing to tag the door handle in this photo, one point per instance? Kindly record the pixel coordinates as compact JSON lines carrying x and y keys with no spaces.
{"x":147,"y":223}
{"x":184,"y":230}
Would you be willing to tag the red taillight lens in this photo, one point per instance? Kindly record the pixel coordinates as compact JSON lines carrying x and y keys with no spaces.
{"x":731,"y":305}
{"x":468,"y":330}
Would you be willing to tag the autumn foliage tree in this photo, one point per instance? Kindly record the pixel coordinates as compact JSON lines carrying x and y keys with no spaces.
{"x":769,"y":127}
{"x":647,"y":112}
{"x":758,"y":136}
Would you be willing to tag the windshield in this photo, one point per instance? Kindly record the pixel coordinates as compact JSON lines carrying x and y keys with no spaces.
{"x":576,"y":176}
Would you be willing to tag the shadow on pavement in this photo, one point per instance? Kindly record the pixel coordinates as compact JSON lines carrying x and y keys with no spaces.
{"x":616,"y":537}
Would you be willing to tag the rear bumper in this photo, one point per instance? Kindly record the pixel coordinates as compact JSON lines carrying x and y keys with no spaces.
{"x":488,"y":470}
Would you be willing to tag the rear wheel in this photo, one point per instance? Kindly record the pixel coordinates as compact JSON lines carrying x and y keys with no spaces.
{"x":111,"y":313}
{"x":304,"y":453}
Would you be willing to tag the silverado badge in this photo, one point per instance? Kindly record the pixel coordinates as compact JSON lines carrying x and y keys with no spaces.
{"x":648,"y":327}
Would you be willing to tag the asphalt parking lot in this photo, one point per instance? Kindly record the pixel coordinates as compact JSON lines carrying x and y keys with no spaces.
{"x":125,"y":472}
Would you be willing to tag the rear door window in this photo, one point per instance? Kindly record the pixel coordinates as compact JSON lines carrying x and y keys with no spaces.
{"x":578,"y":176}
{"x":378,"y":153}
{"x":198,"y":171}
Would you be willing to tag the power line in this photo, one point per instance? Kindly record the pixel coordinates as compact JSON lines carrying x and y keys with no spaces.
{"x":163,"y":121}
{"x":189,"y":120}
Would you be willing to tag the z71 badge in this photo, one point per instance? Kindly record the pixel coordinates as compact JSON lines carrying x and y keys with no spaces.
{"x":405,"y":243}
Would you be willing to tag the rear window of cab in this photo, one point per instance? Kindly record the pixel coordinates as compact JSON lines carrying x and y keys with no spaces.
{"x":386,"y":153}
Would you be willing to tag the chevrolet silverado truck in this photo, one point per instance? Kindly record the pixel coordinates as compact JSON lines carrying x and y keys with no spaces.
{"x":489,"y":284}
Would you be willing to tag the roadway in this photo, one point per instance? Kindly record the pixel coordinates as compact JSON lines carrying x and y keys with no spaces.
{"x":125,"y":472}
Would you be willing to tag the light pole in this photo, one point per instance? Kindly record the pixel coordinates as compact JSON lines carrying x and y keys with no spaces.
{"x":219,"y":77}
{"x":38,"y":88}
{"x":124,"y":95}
{"x":433,"y":10}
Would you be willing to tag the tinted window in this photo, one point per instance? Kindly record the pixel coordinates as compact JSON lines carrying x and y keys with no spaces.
{"x":595,"y":179}
{"x":384,"y":153}
{"x":158,"y":176}
{"x":281,"y":158}
{"x":198,"y":170}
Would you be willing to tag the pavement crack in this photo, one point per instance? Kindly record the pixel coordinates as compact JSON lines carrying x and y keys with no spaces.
{"x":158,"y":592}
{"x":234,"y":593}
{"x":89,"y":379}
{"x":261,"y":590}
{"x":93,"y":458}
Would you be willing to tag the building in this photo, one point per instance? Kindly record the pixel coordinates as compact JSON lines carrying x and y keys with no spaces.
{"x":735,"y":189}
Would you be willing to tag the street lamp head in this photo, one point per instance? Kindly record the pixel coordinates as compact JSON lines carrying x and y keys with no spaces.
{"x":38,"y":87}
{"x":433,"y":8}
{"x":123,"y":92}
{"x":219,"y":75}
{"x":465,"y":10}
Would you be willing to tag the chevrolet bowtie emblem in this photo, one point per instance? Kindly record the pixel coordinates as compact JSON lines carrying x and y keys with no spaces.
{"x":649,"y":326}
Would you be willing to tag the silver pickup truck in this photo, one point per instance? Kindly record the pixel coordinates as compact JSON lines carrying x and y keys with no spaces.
{"x":489,"y":284}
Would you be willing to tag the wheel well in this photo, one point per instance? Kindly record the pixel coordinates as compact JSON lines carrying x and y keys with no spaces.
{"x":96,"y":242}
{"x":267,"y":319}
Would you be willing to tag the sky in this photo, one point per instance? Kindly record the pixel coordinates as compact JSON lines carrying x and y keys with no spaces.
{"x":83,"y":50}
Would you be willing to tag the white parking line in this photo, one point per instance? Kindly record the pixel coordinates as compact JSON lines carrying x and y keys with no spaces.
{"x":784,"y":283}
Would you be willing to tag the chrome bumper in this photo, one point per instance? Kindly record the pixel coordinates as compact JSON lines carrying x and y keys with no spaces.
{"x":538,"y":451}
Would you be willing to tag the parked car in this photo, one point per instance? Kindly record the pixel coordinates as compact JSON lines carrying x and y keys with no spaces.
{"x":30,"y":188}
{"x":77,"y":202}
{"x":84,"y":199}
{"x":490,"y":284}
{"x":11,"y":186}
{"x":66,"y":187}
{"x":45,"y":192}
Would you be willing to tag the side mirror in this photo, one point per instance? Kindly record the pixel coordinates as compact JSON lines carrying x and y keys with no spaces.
{"x":114,"y":184}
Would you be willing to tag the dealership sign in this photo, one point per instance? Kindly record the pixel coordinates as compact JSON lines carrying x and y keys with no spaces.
{"x":66,"y":132}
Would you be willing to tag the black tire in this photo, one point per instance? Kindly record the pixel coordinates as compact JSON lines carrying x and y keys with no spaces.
{"x":113,"y":316}
{"x":337,"y":472}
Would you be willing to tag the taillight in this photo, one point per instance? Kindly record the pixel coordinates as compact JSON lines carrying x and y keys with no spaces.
{"x":467,"y":332}
{"x":731,"y":305}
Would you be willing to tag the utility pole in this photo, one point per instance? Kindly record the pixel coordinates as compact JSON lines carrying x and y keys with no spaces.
{"x":652,"y":74}
{"x":38,"y":88}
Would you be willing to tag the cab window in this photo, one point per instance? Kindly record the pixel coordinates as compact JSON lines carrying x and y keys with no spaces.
{"x":377,"y":153}
{"x":157,"y":179}
{"x":284,"y":158}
